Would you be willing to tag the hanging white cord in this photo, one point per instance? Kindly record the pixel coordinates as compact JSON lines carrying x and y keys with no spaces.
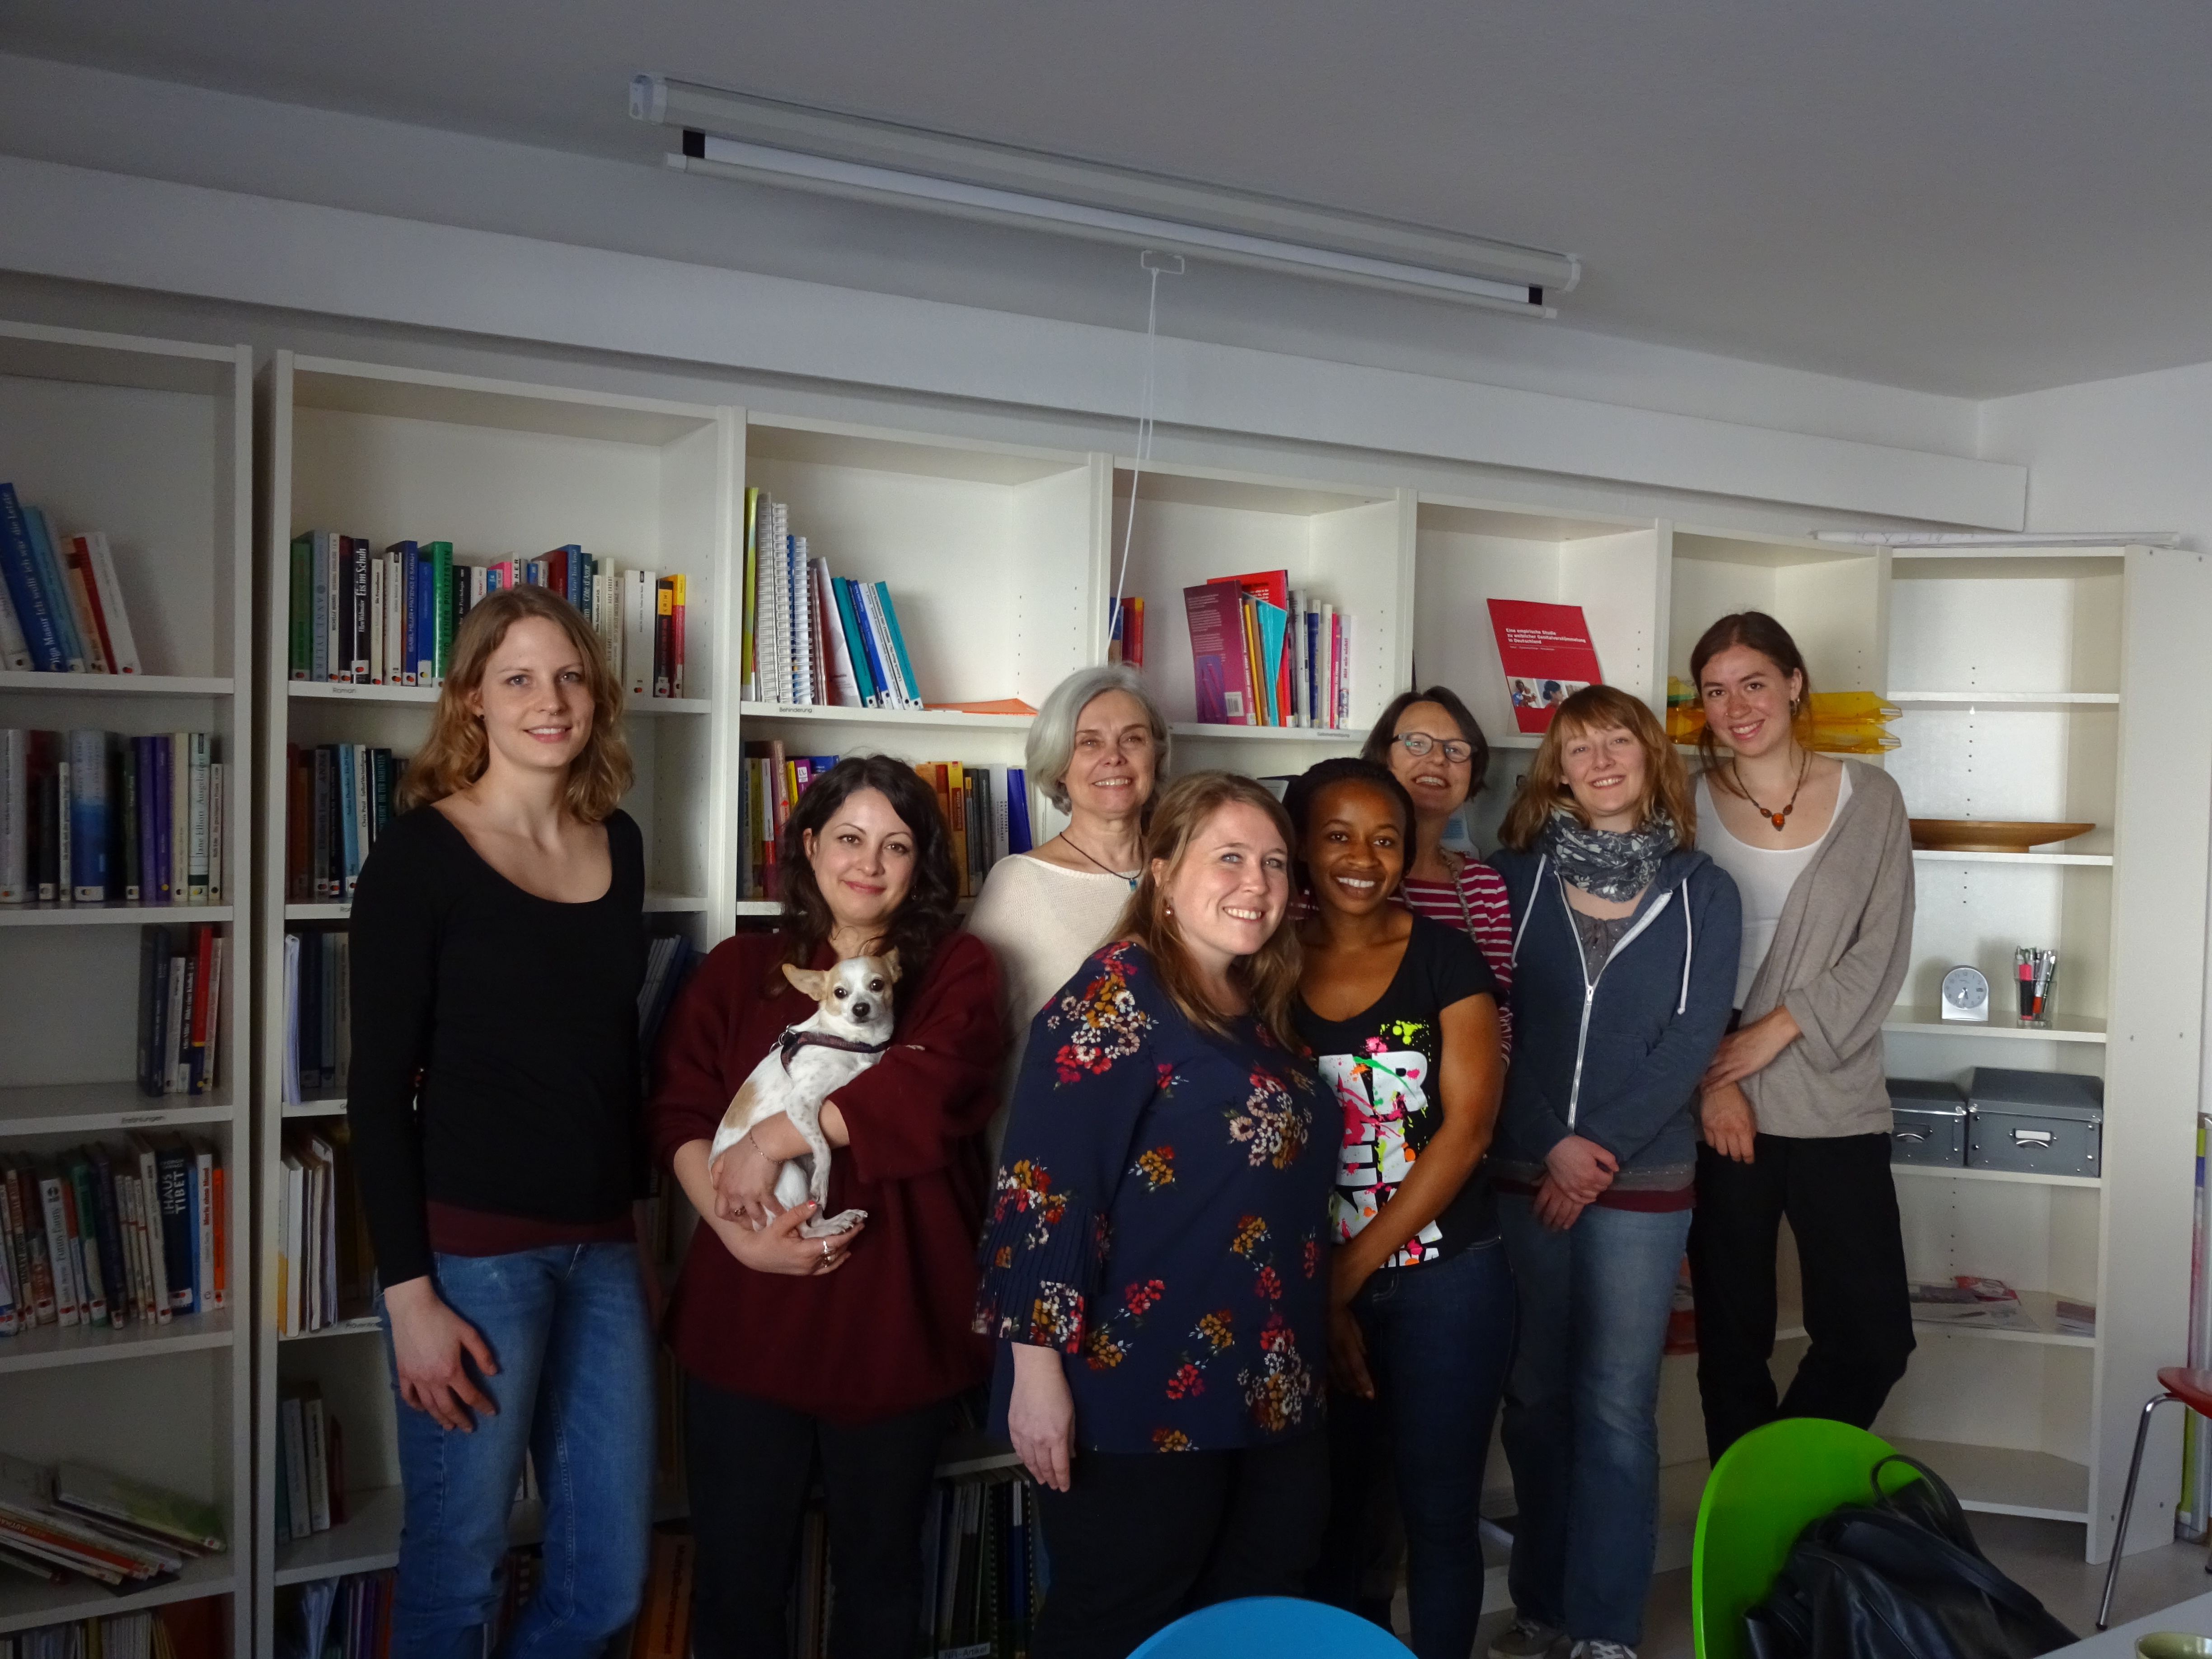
{"x":1144,"y":423}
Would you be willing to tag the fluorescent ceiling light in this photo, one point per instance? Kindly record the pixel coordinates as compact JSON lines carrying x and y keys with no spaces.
{"x":736,"y":135}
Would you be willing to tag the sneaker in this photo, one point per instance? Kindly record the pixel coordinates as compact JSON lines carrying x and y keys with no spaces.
{"x":1528,"y":1639}
{"x":1601,"y":1650}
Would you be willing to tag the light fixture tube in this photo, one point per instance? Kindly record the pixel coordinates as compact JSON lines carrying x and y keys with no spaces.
{"x":736,"y":135}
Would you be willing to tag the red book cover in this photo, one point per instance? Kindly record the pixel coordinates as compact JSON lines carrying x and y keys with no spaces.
{"x":556,"y":571}
{"x":1273,"y":587}
{"x":1546,"y":654}
{"x":1215,"y":612}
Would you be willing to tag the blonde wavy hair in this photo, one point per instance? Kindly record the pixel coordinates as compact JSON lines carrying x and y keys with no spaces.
{"x":1269,"y":977}
{"x":1600,"y":709}
{"x":456,"y":752}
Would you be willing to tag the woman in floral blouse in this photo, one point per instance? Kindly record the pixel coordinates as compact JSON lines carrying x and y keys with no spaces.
{"x":1154,"y":1260}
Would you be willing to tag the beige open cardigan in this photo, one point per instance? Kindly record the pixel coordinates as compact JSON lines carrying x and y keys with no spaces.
{"x":1839,"y":956}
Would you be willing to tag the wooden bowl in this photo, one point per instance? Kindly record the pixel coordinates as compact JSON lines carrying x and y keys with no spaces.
{"x":1972,"y":836}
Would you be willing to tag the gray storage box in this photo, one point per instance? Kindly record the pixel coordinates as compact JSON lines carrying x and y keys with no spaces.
{"x":1927,"y":1123}
{"x":2049,"y":1122}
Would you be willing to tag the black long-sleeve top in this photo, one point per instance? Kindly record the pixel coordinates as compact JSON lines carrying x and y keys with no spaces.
{"x":518,"y":1017}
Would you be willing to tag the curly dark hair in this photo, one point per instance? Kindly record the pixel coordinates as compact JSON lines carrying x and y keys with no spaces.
{"x":923,"y":918}
{"x":1306,"y":788}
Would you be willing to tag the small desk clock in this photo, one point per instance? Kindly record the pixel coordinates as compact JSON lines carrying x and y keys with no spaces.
{"x":1967,"y":994}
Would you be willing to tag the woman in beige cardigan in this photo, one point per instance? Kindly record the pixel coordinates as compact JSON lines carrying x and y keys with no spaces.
{"x":1794,"y":1113}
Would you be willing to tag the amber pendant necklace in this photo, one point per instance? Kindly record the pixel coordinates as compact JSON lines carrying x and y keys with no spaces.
{"x":1779,"y":820}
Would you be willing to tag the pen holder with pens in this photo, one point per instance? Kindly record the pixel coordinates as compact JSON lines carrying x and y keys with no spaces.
{"x":2035,"y":975}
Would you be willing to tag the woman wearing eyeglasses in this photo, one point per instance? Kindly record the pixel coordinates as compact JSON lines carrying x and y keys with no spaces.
{"x":1432,"y":746}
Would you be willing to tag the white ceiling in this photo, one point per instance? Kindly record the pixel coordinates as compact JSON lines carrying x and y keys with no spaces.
{"x":1968,"y":196}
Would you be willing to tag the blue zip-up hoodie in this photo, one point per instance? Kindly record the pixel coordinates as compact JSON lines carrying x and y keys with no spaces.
{"x":1616,"y":1060}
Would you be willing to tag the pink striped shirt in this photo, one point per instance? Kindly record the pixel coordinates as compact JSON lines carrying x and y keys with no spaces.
{"x":1475,"y":904}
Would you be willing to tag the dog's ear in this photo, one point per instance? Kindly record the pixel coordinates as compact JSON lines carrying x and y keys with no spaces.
{"x":812,"y":980}
{"x":891,"y":966}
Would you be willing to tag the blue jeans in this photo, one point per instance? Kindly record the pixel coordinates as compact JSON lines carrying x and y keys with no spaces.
{"x":568,"y":1326}
{"x":1438,"y":1338}
{"x":1581,"y":1412}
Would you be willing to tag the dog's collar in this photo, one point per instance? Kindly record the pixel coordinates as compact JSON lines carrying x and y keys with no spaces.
{"x":793,"y":1039}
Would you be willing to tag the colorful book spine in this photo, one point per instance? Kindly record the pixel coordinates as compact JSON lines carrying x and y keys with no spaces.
{"x":19,"y":568}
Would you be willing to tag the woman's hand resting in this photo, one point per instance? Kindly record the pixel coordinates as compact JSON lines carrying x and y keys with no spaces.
{"x":1041,"y":1416}
{"x":431,"y":1348}
{"x":745,"y":1185}
{"x":780,"y":1248}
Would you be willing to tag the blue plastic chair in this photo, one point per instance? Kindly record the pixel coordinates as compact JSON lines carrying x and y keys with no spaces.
{"x":1272,"y":1628}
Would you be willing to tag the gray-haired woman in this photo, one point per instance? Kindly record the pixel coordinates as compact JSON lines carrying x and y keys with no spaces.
{"x":1097,"y":745}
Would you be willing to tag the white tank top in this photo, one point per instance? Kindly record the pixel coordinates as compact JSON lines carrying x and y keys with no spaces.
{"x":1764,"y":876}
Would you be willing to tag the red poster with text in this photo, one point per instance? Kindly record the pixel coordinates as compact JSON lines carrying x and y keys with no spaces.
{"x":1547,"y":656}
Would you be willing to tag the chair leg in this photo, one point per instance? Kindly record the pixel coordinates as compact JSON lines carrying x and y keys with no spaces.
{"x":2127,"y":1504}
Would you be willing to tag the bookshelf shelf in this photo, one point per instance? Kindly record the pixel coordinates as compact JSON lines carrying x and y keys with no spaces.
{"x":972,"y":1451}
{"x":54,"y":1108}
{"x":948,"y":719}
{"x":2004,"y":1480}
{"x":498,"y":468}
{"x":2075,"y":860}
{"x":151,"y":443}
{"x":51,"y":1345}
{"x":366,"y":1326}
{"x":109,"y":685}
{"x":2040,"y":1306}
{"x":1929,"y":1022}
{"x":1911,"y":700}
{"x":366,"y":1541}
{"x":1332,"y":737}
{"x":110,"y":916}
{"x":2020,"y":1177}
{"x":25,"y":1604}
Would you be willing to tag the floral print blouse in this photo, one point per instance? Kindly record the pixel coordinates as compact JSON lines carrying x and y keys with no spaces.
{"x":1159,"y":1216}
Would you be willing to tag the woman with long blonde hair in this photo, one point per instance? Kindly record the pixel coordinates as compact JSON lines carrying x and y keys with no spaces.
{"x":1154,"y":1261}
{"x":1625,"y":942}
{"x":497,"y":950}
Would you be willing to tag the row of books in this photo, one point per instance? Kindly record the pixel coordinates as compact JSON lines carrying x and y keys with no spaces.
{"x":663,"y":1629}
{"x":180,"y":974}
{"x":1125,"y":640}
{"x":348,"y":1618}
{"x":311,"y":1483}
{"x":154,"y":1634}
{"x":61,"y":606}
{"x":986,"y":809}
{"x":1263,"y":654}
{"x":124,"y":1534}
{"x":338,"y":800}
{"x":984,"y":1570}
{"x":359,"y":617}
{"x":104,"y":1238}
{"x":318,"y":1015}
{"x":813,"y":638}
{"x":325,"y":1266}
{"x":99,"y":817}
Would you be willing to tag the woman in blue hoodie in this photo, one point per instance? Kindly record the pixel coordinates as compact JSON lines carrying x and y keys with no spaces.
{"x":1625,"y":941}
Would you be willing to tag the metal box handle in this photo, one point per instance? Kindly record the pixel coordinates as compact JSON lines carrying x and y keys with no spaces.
{"x":2032,"y":1138}
{"x":1912,"y":1136}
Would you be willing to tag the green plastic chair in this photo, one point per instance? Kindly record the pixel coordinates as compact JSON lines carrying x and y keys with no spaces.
{"x":1765,"y":1491}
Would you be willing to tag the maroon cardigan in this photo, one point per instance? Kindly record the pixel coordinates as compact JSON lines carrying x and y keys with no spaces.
{"x":888,"y":1332}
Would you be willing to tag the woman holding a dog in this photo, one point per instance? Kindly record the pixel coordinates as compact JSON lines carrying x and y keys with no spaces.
{"x":845,"y":1351}
{"x":1155,"y":1261}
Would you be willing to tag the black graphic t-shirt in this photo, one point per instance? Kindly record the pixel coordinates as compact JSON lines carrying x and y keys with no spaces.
{"x":1381,"y":1066}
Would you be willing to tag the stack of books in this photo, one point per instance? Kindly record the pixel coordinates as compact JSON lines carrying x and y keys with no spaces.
{"x":986,"y":809}
{"x":1126,"y":634}
{"x":97,"y":817}
{"x":812,"y":638}
{"x":103,"y":1239}
{"x":180,"y":1009}
{"x":1262,"y":654}
{"x":663,"y":1629}
{"x":148,"y":1635}
{"x":326,"y":1266}
{"x":338,"y":800}
{"x":121,"y":1533}
{"x":318,"y":1015}
{"x":61,"y":606}
{"x":360,"y":616}
{"x":311,"y":1484}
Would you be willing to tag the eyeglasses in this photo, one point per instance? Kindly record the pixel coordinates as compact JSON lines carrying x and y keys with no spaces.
{"x":1419,"y":742}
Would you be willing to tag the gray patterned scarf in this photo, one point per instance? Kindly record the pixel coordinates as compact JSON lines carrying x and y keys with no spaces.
{"x":1614,"y":864}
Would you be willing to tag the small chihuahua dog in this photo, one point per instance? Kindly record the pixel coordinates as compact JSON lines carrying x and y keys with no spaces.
{"x":810,"y":1062}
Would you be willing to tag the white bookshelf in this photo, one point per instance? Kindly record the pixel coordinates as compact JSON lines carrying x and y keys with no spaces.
{"x":151,"y":441}
{"x":499,"y":469}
